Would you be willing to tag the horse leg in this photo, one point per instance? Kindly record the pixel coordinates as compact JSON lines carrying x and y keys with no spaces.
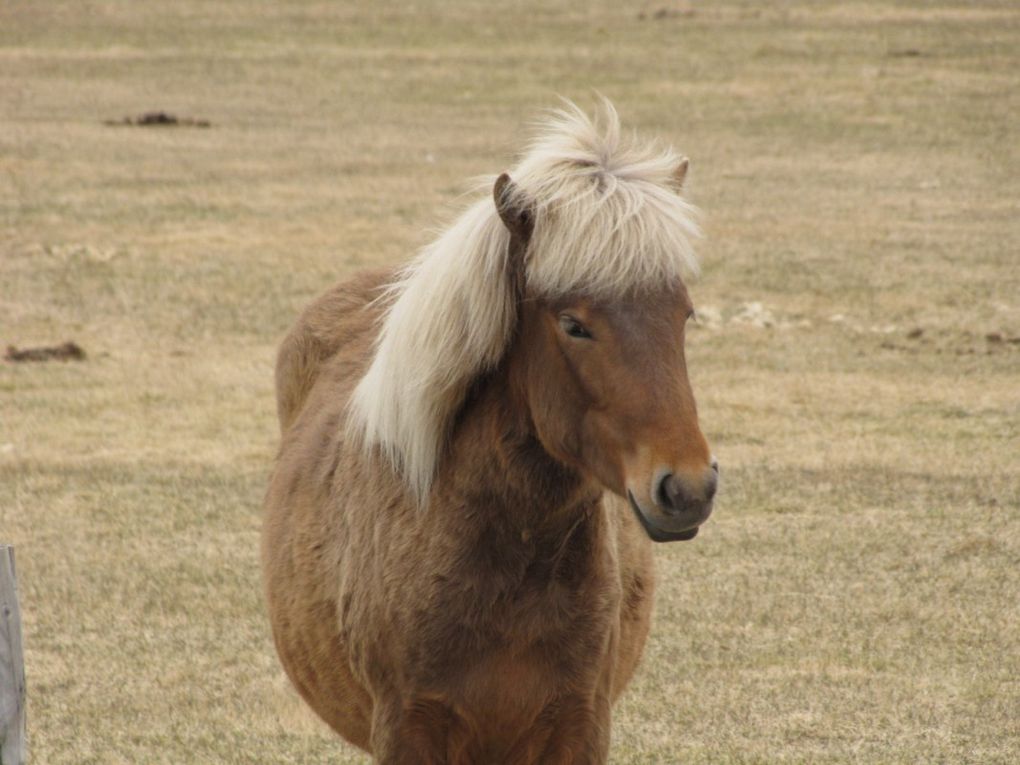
{"x":413,"y":733}
{"x":577,"y":733}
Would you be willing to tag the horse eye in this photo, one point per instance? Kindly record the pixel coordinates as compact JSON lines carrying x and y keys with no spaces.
{"x":574,"y":328}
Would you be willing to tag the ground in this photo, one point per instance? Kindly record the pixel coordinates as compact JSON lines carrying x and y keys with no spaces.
{"x":855,"y":596}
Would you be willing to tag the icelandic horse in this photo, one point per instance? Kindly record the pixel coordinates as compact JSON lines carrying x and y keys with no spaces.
{"x":476,"y":452}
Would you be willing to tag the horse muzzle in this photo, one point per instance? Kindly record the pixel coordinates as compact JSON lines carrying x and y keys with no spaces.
{"x":678,"y":506}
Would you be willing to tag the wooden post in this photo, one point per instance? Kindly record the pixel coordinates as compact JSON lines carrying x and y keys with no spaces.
{"x":12,"y":665}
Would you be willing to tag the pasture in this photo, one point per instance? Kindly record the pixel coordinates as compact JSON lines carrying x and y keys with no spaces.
{"x":855,"y":596}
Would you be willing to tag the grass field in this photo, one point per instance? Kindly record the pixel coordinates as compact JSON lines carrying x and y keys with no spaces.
{"x":856,"y":597}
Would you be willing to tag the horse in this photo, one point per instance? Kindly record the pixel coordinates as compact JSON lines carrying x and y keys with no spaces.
{"x":477,"y":451}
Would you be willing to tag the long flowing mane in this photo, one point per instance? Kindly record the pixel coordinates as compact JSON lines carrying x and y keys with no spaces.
{"x":608,"y":219}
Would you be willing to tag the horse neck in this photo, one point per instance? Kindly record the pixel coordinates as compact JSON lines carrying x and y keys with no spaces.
{"x":499,"y":471}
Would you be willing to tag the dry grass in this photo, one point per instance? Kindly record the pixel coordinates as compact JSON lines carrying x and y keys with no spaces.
{"x":855,"y":598}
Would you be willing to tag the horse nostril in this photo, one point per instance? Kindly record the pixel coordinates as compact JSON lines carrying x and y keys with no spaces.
{"x":672,"y":494}
{"x":667,"y":491}
{"x":712,"y":484}
{"x":715,"y":465}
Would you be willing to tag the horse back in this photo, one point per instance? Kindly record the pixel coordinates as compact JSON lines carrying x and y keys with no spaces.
{"x":342,"y":316}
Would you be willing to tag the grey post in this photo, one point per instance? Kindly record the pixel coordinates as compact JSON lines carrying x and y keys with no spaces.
{"x":12,"y":665}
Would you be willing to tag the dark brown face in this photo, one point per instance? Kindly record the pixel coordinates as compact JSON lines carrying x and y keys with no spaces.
{"x":609,"y":395}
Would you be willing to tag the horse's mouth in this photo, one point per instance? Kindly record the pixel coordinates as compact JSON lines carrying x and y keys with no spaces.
{"x":677,"y":528}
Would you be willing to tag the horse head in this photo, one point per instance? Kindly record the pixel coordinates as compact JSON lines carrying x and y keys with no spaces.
{"x":605,"y":380}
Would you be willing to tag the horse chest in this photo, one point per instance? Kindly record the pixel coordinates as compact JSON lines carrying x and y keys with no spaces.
{"x":500,"y":670}
{"x":516,"y":627}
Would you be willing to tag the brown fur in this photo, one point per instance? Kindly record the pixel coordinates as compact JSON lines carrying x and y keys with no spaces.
{"x":499,"y":623}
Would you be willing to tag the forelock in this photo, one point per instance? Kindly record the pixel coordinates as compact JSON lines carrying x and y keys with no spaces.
{"x":608,"y":215}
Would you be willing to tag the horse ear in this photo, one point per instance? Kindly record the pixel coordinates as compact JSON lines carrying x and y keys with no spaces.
{"x":519,"y":221}
{"x":680,"y":173}
{"x":515,"y":216}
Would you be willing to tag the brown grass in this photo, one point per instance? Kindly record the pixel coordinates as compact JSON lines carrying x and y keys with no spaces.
{"x":855,"y":598}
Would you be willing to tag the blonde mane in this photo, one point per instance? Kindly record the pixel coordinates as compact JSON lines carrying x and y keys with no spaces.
{"x":608,"y":219}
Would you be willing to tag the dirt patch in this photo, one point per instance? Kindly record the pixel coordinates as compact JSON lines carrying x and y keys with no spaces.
{"x":959,"y":343}
{"x":661,"y":14}
{"x":69,"y":351}
{"x":159,"y":119}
